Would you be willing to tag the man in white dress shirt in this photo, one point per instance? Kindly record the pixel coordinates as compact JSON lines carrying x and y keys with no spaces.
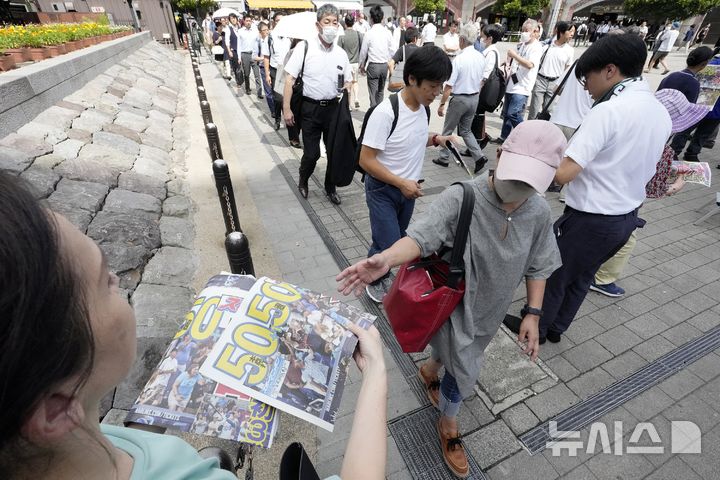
{"x":326,"y":65}
{"x":399,"y":34}
{"x":451,"y":40}
{"x":464,"y":85}
{"x":278,"y":47}
{"x":556,"y":59}
{"x":429,"y":32}
{"x":375,"y":53}
{"x":361,"y":25}
{"x":247,"y":37}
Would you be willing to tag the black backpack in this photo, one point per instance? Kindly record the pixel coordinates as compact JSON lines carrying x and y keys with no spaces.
{"x":493,"y":90}
{"x":394,"y":103}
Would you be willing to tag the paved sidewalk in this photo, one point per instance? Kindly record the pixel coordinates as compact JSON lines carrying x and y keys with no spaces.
{"x":673,"y":282}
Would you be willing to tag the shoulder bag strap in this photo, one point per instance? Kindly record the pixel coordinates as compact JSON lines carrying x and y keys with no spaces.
{"x":560,"y":87}
{"x":497,"y":59}
{"x":542,"y":59}
{"x":457,"y":266}
{"x":302,"y":69}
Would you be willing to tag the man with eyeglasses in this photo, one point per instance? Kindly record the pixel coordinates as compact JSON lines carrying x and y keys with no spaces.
{"x":260,"y":52}
{"x":523,"y":68}
{"x":606,"y":168}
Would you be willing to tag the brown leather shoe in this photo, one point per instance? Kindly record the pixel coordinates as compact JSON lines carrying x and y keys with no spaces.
{"x":432,"y":387}
{"x":454,"y":453}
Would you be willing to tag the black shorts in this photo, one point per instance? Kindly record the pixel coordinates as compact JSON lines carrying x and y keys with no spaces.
{"x":657,"y":56}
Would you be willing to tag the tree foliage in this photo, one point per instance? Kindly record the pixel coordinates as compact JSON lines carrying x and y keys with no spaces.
{"x":191,"y":6}
{"x":530,"y":8}
{"x":670,"y":9}
{"x":429,"y":6}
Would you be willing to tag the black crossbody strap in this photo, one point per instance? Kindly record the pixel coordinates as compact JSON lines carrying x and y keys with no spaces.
{"x":560,"y":87}
{"x":302,"y":69}
{"x":457,"y":266}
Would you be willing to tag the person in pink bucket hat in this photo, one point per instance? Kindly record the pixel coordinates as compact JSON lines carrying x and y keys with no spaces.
{"x":510,"y":239}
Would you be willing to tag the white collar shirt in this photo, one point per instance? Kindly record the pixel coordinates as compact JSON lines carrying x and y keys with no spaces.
{"x":558,"y":59}
{"x":526,"y":77}
{"x":572,"y":105}
{"x":492,"y":57}
{"x":247,"y":38}
{"x":377,"y":46}
{"x":451,"y":40}
{"x":618,"y":150}
{"x":322,"y":66}
{"x":278,"y":47}
{"x":261,"y":48}
{"x":429,"y":32}
{"x":467,"y":72}
{"x":361,"y":26}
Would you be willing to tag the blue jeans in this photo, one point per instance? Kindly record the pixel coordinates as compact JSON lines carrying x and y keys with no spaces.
{"x":269,"y":94}
{"x":390,"y":214}
{"x":512,"y":112}
{"x":450,"y":398}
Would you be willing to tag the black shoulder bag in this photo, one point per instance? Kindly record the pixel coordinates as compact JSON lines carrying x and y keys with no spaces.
{"x":296,"y":99}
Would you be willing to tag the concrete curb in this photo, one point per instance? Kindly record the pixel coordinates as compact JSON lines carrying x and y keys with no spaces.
{"x":28,"y":91}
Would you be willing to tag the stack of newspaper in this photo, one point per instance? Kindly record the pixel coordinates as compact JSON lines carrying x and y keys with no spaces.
{"x":246,"y":348}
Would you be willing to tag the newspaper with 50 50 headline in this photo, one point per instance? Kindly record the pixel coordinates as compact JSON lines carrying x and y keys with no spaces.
{"x":178,"y":396}
{"x":288,"y":347}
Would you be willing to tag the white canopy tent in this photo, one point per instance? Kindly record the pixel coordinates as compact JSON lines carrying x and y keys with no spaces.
{"x":340,"y":4}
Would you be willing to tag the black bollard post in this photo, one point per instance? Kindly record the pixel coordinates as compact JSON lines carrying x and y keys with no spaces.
{"x":201,"y":93}
{"x":238,"y":253}
{"x":206,"y":113}
{"x":213,"y":141}
{"x":199,"y":80}
{"x":223,"y":183}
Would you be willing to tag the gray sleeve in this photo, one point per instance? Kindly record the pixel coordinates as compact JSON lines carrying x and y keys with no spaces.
{"x":436,"y":227}
{"x":545,"y":256}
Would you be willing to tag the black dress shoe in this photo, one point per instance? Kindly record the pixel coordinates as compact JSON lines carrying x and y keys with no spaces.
{"x":498,"y":141}
{"x":466,"y":153}
{"x":554,"y":337}
{"x":439,"y":162}
{"x":334,"y":198}
{"x":483,"y":143}
{"x":277,"y":123}
{"x":303,"y":189}
{"x":512,"y":323}
{"x":480,"y":163}
{"x":295,"y":144}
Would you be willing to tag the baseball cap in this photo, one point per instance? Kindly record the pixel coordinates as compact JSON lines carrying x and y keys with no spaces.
{"x":682,"y":113}
{"x":532,"y":153}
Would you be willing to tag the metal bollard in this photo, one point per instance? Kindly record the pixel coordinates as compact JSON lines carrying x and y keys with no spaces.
{"x":206,"y":113}
{"x":213,"y":141}
{"x":201,"y":93}
{"x":238,"y":253}
{"x":223,"y":183}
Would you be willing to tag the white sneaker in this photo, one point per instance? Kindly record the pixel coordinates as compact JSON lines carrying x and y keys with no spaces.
{"x":378,"y":291}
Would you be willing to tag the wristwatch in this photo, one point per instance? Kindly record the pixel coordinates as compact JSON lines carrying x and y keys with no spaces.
{"x":530,"y":310}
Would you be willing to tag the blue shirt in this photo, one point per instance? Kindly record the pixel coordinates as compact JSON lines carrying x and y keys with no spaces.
{"x":684,"y":81}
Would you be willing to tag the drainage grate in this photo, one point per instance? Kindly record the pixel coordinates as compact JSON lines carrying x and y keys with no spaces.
{"x":417,"y":439}
{"x":403,"y":361}
{"x":589,"y":410}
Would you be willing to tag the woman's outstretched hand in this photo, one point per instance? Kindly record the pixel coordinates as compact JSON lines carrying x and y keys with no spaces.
{"x":356,"y":277}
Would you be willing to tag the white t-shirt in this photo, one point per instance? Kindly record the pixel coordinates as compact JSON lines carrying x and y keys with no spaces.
{"x":320,"y":77}
{"x":668,"y":40}
{"x":490,"y":60}
{"x":451,"y":40}
{"x":572,"y":105}
{"x":557,"y":59}
{"x":403,"y":153}
{"x":526,"y":77}
{"x":618,"y":148}
{"x":429,"y":32}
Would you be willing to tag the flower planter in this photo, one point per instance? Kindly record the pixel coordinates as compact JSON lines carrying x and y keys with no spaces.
{"x":74,"y":45}
{"x":62,"y":48}
{"x":53,"y":51}
{"x":7,"y":62}
{"x":37,"y":54}
{"x":17,"y":54}
{"x":26,"y":54}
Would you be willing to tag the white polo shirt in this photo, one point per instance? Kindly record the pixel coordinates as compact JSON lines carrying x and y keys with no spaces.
{"x":526,"y":77}
{"x":377,"y":46}
{"x":557,"y":59}
{"x":573,"y":104}
{"x":618,"y":146}
{"x":322,"y":65}
{"x":467,"y":71}
{"x":429,"y":32}
{"x":403,"y":153}
{"x":452,"y":40}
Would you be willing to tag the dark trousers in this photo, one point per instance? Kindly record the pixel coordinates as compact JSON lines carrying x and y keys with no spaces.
{"x":268,"y":91}
{"x":376,"y":77}
{"x":235,"y":67}
{"x":390,"y":213}
{"x":698,"y":134}
{"x":316,"y":121}
{"x":585,"y":241}
{"x":293,"y":132}
{"x":247,"y":64}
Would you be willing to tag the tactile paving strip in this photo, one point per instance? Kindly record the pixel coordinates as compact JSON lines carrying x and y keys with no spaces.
{"x":584,"y":413}
{"x":417,"y":439}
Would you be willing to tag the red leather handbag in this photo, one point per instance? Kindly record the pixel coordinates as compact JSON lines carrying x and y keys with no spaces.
{"x":427,"y":290}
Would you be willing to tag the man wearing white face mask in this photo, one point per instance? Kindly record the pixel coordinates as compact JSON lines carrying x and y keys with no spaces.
{"x":325,"y":72}
{"x":523,"y":67}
